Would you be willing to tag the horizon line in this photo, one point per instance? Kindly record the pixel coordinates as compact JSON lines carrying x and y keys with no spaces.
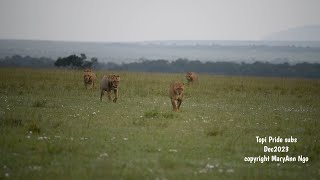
{"x":144,"y":41}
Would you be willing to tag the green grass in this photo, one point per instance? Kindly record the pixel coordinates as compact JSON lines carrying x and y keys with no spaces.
{"x":52,"y":128}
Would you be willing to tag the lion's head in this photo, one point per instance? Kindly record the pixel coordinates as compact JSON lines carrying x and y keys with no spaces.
{"x":114,"y":80}
{"x":87,"y":78}
{"x":178,"y":88}
{"x":190,"y":76}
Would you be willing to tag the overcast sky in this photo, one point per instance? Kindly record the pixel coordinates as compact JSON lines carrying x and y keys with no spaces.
{"x":141,"y":20}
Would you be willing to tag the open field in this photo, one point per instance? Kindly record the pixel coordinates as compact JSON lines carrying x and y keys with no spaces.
{"x":52,"y":128}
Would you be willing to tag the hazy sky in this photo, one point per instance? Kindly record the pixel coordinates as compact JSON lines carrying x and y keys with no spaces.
{"x":140,"y":20}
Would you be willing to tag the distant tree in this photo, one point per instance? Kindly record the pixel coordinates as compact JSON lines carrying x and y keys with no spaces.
{"x":75,"y":61}
{"x":89,"y":64}
{"x":94,"y":60}
{"x":83,"y":56}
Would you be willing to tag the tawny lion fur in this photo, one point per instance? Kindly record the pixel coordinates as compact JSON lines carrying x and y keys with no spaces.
{"x":110,"y":83}
{"x":191,"y":77}
{"x":89,"y":78}
{"x":176,"y":90}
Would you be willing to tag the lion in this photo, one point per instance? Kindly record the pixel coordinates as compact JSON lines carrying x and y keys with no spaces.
{"x":191,"y":77}
{"x":110,"y":83}
{"x":176,"y":90}
{"x":89,"y":78}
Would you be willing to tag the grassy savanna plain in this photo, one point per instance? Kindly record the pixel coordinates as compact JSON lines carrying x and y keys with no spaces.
{"x":53,"y":128}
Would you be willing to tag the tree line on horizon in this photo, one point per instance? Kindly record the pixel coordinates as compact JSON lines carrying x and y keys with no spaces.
{"x":307,"y":70}
{"x":75,"y":61}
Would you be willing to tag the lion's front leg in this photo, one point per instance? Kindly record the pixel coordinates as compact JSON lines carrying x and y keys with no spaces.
{"x":102,"y":92}
{"x":109,"y":95}
{"x":115,"y":95}
{"x":179,"y":103}
{"x":174,"y":104}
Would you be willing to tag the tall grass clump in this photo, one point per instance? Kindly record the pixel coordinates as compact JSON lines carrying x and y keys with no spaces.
{"x":39,"y":103}
{"x":151,"y":114}
{"x":10,"y":120}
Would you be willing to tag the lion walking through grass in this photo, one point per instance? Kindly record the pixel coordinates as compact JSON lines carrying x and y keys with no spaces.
{"x":191,"y":77}
{"x":89,"y":78}
{"x":110,"y":83}
{"x":176,"y":91}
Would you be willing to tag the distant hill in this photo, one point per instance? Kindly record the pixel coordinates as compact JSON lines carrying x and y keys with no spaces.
{"x":229,"y":51}
{"x":304,"y":33}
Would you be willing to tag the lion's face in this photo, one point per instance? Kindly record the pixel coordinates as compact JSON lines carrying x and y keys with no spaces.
{"x":179,"y":88}
{"x":87,"y":78}
{"x":189,"y":76}
{"x":115,"y":80}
